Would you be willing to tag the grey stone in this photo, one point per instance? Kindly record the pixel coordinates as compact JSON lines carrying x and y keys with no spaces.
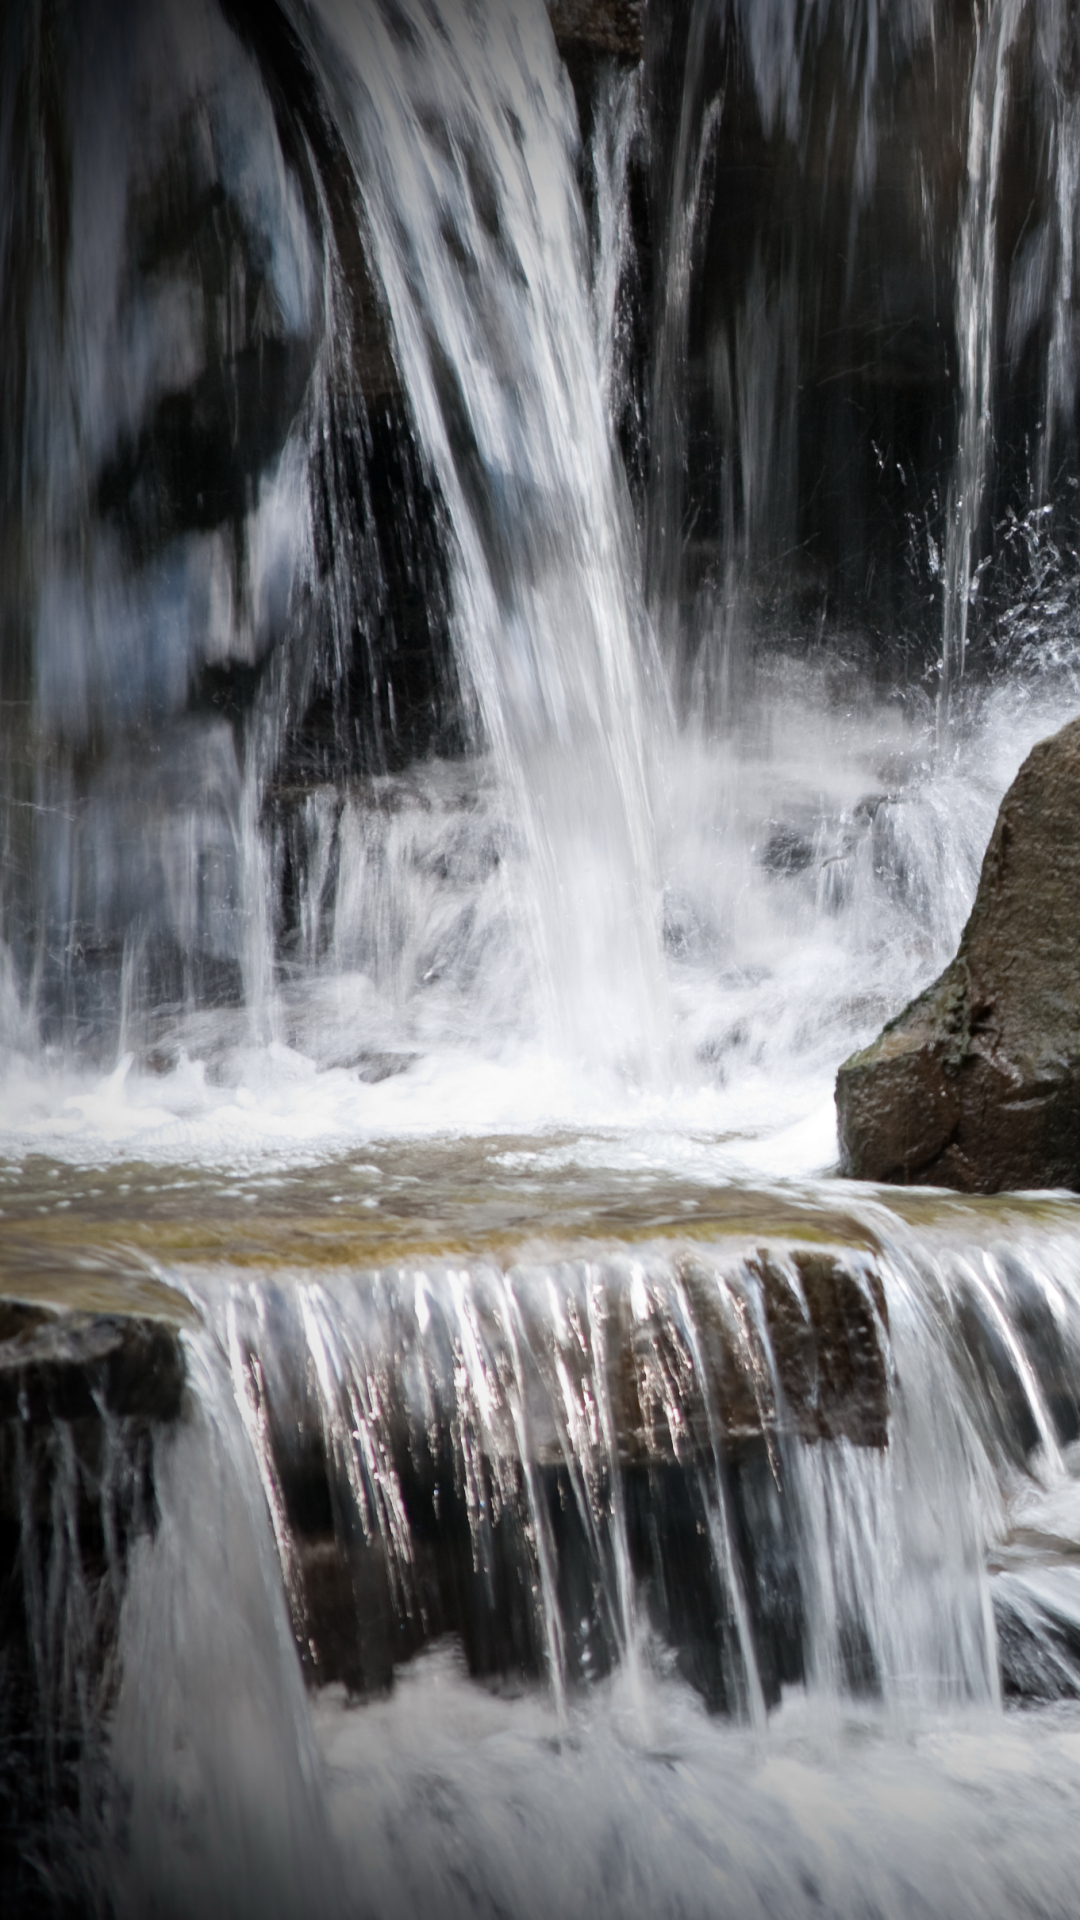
{"x":976,"y":1085}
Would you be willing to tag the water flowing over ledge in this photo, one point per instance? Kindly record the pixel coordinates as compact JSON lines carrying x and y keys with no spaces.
{"x":611,"y":1436}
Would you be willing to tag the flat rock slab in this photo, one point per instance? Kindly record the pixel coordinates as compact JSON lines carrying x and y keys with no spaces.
{"x":976,"y":1085}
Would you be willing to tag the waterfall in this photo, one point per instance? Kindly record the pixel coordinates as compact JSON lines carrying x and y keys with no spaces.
{"x":396,"y":775}
{"x":540,"y":1415}
{"x":798,"y":1456}
{"x":534,"y":540}
{"x":463,"y":146}
{"x":976,"y":275}
{"x":772,"y":1466}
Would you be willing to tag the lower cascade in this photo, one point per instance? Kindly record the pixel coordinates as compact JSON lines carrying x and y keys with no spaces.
{"x":340,"y":1582}
{"x":539,"y":565}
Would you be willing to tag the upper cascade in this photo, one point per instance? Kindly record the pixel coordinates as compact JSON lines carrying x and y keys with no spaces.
{"x":443,"y":445}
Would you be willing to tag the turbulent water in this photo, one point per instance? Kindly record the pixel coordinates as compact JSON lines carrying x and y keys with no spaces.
{"x":819,"y":865}
{"x":523,"y":587}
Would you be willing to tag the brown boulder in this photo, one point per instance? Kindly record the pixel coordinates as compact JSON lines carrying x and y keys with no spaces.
{"x":976,"y":1085}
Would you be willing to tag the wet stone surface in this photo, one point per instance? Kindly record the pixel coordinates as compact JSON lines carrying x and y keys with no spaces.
{"x":976,"y":1085}
{"x":82,"y":1395}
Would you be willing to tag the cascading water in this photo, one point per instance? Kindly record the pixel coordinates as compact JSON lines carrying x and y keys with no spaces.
{"x":798,"y":1459}
{"x":495,"y":524}
{"x":463,"y":140}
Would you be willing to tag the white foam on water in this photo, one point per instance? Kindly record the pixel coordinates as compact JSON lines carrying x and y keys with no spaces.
{"x":819,"y":866}
{"x":446,"y":1799}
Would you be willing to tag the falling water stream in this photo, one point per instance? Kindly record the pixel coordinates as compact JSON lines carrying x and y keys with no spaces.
{"x":469,"y":777}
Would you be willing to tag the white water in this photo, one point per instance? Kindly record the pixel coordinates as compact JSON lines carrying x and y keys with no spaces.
{"x":976,"y":280}
{"x":463,"y":139}
{"x":669,"y":1813}
{"x":595,"y":919}
{"x":818,"y":866}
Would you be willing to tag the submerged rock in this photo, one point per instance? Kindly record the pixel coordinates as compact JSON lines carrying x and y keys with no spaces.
{"x":976,"y":1085}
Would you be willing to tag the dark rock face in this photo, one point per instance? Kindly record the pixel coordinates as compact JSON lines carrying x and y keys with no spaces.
{"x":976,"y":1085}
{"x":81,"y":1394}
{"x":603,"y":26}
{"x":340,"y":626}
{"x":80,"y":1366}
{"x":708,"y":1377}
{"x":822,"y":1338}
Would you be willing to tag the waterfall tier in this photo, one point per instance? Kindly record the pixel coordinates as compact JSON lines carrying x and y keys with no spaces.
{"x":590,"y":1428}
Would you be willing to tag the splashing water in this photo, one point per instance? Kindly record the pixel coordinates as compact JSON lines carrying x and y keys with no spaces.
{"x":463,"y":141}
{"x":590,"y":904}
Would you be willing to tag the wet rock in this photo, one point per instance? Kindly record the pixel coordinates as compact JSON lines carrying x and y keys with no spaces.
{"x":1037,"y":1617}
{"x":787,"y":850}
{"x":373,"y":1068}
{"x":77,"y":1366}
{"x":827,"y":1324}
{"x":661,"y":1392}
{"x":976,"y":1085}
{"x":601,"y":26}
{"x":811,"y":1360}
{"x":81,"y":1394}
